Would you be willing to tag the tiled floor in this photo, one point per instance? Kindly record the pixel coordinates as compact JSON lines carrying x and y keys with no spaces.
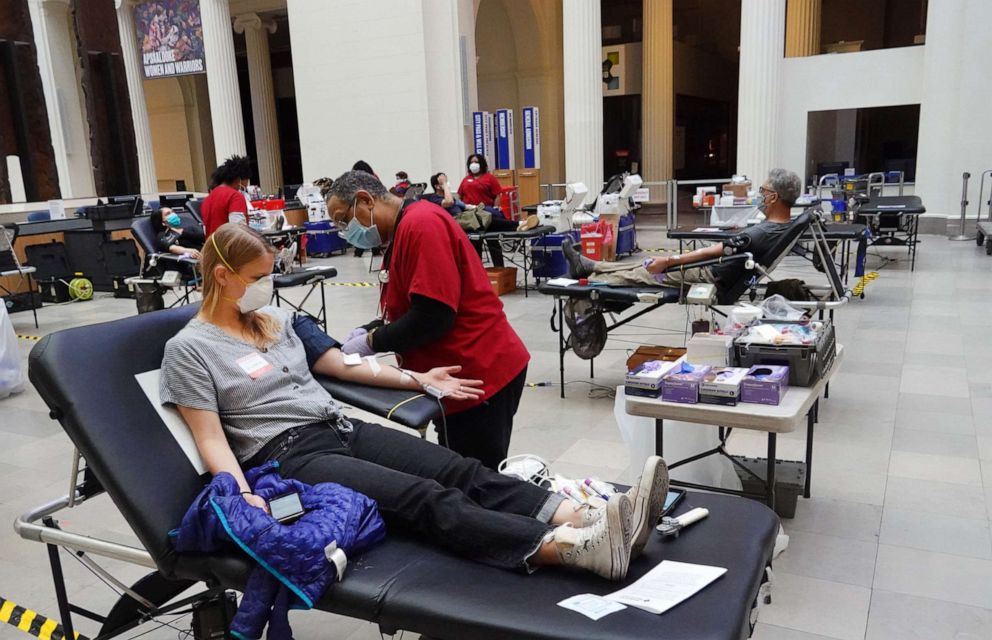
{"x":894,"y":544}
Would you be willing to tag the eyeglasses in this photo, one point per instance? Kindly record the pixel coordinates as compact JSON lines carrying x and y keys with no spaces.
{"x":763,"y":190}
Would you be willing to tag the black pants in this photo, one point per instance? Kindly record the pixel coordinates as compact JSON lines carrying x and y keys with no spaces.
{"x":495,"y":251}
{"x":483,"y":432}
{"x":422,"y":488}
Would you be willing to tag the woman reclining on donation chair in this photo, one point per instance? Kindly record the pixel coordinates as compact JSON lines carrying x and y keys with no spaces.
{"x":239,"y":376}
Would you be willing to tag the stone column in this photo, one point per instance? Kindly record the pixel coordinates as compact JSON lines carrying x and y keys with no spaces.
{"x":222,"y":80}
{"x":762,"y":47}
{"x":802,"y":28}
{"x":263,"y":99}
{"x":657,"y":95}
{"x":582,"y":45}
{"x":136,"y":93}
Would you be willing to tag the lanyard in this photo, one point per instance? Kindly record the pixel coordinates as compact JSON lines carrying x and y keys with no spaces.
{"x":387,"y":259}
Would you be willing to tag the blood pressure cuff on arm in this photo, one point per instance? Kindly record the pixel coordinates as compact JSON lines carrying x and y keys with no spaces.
{"x":315,"y":342}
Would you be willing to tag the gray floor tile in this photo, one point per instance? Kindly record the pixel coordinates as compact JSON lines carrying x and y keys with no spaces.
{"x":932,"y":442}
{"x":935,"y":403}
{"x":924,"y":466}
{"x":896,"y":616}
{"x":950,"y":382}
{"x":828,"y":558}
{"x":933,"y":499}
{"x":939,"y":576}
{"x":764,"y":631}
{"x":940,"y":422}
{"x":943,"y":534}
{"x":797,"y":604}
{"x":851,"y":520}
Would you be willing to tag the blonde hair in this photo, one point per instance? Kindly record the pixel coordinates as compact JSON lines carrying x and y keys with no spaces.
{"x":237,"y":245}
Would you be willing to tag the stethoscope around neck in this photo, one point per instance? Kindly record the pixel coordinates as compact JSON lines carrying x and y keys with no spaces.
{"x":387,"y":256}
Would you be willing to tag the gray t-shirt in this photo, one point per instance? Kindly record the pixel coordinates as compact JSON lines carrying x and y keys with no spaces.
{"x":257,"y":393}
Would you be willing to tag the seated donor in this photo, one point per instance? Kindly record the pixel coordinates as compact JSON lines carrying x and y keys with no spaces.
{"x":238,"y":373}
{"x":436,"y":307}
{"x":443,"y":197}
{"x":226,"y":201}
{"x":175,"y":235}
{"x":777,"y":196}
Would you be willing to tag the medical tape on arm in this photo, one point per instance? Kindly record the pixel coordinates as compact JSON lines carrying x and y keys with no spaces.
{"x":374,"y":365}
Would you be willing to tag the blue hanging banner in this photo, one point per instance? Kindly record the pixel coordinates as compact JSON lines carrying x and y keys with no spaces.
{"x":483,"y":140}
{"x":504,"y":140}
{"x":532,"y":138}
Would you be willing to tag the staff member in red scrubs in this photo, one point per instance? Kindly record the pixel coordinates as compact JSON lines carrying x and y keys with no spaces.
{"x":437,"y":306}
{"x":226,"y":201}
{"x":479,"y":186}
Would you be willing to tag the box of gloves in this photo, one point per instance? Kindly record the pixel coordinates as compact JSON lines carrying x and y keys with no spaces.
{"x":645,"y":379}
{"x":722,"y":385}
{"x":682,"y":383}
{"x":765,"y":384}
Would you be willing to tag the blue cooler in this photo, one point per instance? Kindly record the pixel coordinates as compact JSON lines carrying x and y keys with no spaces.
{"x":627,"y":236}
{"x":547,"y":260}
{"x":323,"y":239}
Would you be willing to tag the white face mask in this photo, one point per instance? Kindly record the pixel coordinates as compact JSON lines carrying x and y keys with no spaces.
{"x":257,"y":295}
{"x":474,"y":167}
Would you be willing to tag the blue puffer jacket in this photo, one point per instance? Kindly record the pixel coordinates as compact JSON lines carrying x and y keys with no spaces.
{"x":293,"y":571}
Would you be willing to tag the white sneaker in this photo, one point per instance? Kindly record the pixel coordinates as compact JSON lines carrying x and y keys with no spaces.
{"x":648,"y":497}
{"x":604,"y":547}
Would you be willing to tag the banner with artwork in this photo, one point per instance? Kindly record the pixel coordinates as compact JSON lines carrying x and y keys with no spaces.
{"x":171,"y":37}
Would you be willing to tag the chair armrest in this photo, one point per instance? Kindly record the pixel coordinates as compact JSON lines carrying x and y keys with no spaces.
{"x":740,"y":257}
{"x":411,"y":409}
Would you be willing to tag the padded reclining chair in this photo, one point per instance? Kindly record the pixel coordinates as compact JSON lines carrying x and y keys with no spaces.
{"x":157,"y":262}
{"x":403,"y":583}
{"x":616,"y":299}
{"x":10,"y":266}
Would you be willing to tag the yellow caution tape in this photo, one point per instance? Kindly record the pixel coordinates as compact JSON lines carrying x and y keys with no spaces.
{"x":32,"y":338}
{"x":859,"y":288}
{"x":32,"y":622}
{"x":349,"y":284}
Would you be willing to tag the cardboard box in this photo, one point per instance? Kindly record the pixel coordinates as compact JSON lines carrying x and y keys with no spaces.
{"x":737,"y":189}
{"x":645,"y":353}
{"x":296,"y":217}
{"x":502,"y":279}
{"x":682,"y":384}
{"x":765,"y":384}
{"x":646,"y":379}
{"x":707,"y":348}
{"x":722,"y":385}
{"x":610,"y":248}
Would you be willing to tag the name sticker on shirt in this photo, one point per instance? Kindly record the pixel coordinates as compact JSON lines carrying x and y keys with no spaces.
{"x":254,"y":365}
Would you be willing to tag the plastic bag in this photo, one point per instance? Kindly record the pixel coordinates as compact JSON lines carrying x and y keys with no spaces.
{"x":778,"y":308}
{"x":12,"y":377}
{"x":681,"y":441}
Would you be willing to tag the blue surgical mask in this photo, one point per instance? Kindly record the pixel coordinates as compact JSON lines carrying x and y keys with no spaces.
{"x":360,"y":236}
{"x":173,"y":220}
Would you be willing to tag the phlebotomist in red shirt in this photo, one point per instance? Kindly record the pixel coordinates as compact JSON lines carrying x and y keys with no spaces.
{"x":226,"y":201}
{"x":437,"y":308}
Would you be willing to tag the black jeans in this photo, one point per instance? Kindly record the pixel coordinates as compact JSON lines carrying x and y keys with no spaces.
{"x":422,"y":488}
{"x":483,"y":432}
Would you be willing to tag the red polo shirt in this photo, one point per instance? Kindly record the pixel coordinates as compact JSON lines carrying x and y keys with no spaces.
{"x":218,"y":206}
{"x":482,"y":189}
{"x":431,"y":256}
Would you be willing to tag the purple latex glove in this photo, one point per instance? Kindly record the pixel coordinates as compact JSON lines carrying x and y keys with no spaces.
{"x":354,"y":333}
{"x":358,"y":344}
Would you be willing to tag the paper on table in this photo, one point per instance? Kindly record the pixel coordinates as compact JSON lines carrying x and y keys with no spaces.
{"x":591,"y":606}
{"x":562,"y":282}
{"x":666,"y":585}
{"x":705,"y":229}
